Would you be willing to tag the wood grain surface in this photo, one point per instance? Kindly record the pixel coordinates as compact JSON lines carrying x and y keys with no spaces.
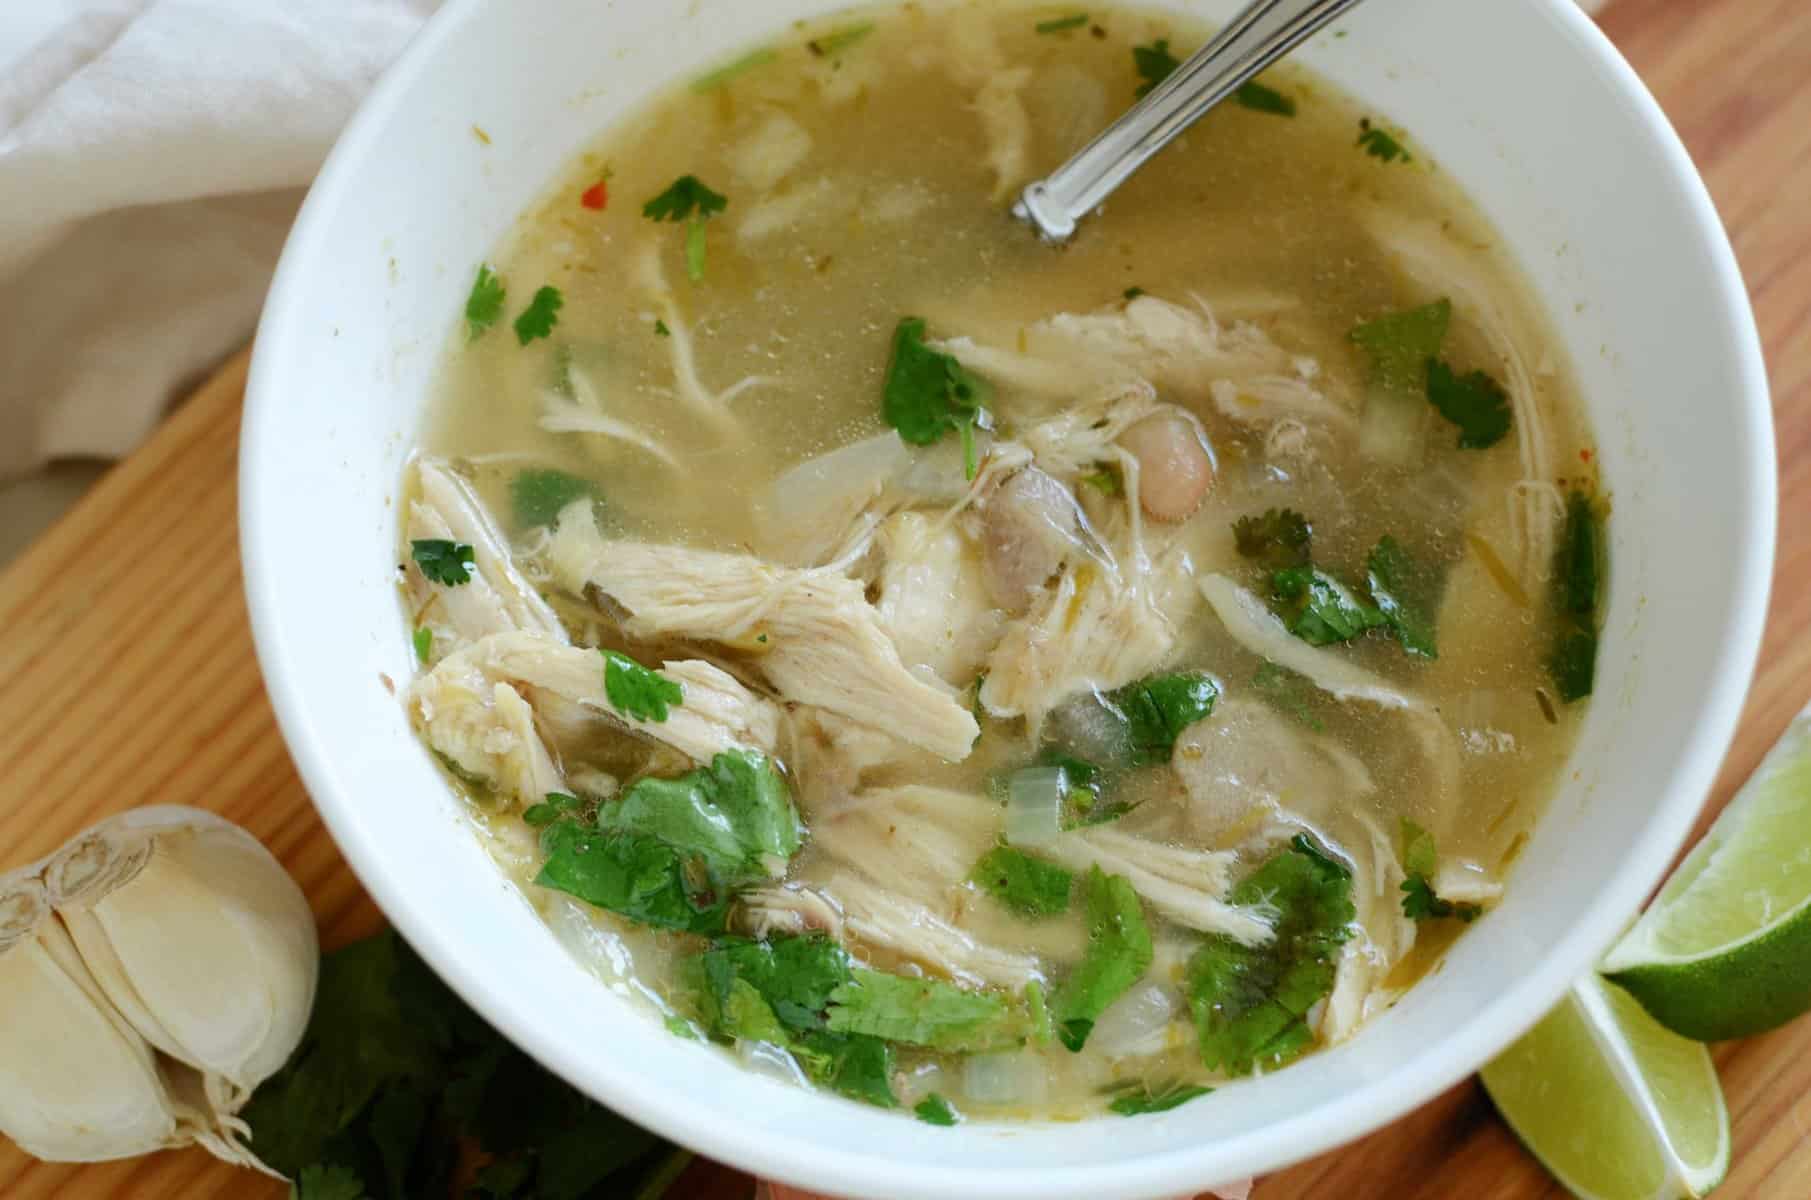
{"x":126,"y":669}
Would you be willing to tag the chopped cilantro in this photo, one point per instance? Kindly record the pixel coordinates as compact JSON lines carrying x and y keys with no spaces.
{"x":735,"y":814}
{"x":935,"y":1110}
{"x":1250,"y":1003}
{"x":928,"y":393}
{"x":1279,"y":538}
{"x":1475,"y":402}
{"x":637,"y":691}
{"x":551,"y":808}
{"x":1407,"y":594}
{"x":446,"y":563}
{"x":1106,"y":480}
{"x":1158,"y":708}
{"x":1258,"y":98}
{"x":861,"y":1068}
{"x":1288,"y":691}
{"x":919,"y":1012}
{"x":1029,"y":886}
{"x":1380,"y":143}
{"x":484,"y":306}
{"x":1132,"y":293}
{"x":1400,"y":345}
{"x":660,"y":328}
{"x":639,"y":876}
{"x":795,"y":976}
{"x":1118,"y":953}
{"x":690,"y":200}
{"x":424,"y":644}
{"x":541,"y":315}
{"x":1418,"y":854}
{"x":537,"y":495}
{"x":838,"y":40}
{"x":1154,"y":63}
{"x":1061,"y":24}
{"x":1155,"y":1099}
{"x":1320,"y":609}
{"x":1577,"y":568}
{"x":1419,"y":864}
{"x":710,"y":81}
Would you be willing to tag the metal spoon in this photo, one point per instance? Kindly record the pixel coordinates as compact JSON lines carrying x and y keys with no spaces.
{"x":1261,"y":33}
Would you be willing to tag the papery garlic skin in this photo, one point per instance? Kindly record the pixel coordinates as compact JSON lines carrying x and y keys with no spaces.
{"x":77,"y":1083}
{"x":198,"y":937}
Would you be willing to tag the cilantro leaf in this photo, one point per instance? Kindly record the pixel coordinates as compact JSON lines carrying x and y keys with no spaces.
{"x":637,"y":875}
{"x":1119,"y":952}
{"x":1132,"y":293}
{"x":1060,"y":24}
{"x":1400,"y":345}
{"x":1418,"y":855}
{"x":919,"y":1012}
{"x":446,"y":563}
{"x":928,"y":393}
{"x":1475,"y":402}
{"x":1154,"y":63}
{"x":857,"y":1066}
{"x":1028,"y":886}
{"x":1161,"y":1098}
{"x":838,"y":40}
{"x":1380,"y":143}
{"x":1250,"y":1003}
{"x":934,"y":1109}
{"x":1406,"y":593}
{"x":636,"y":690}
{"x":423,"y":640}
{"x":484,"y":306}
{"x":1419,"y":864}
{"x":1258,"y":98}
{"x":541,"y":315}
{"x":684,"y":197}
{"x":736,"y":814}
{"x":794,"y":975}
{"x":660,"y":328}
{"x":1320,"y":609}
{"x":1279,"y":538}
{"x":1288,"y":691}
{"x":551,"y":808}
{"x":1158,"y":708}
{"x":1573,"y":664}
{"x":319,"y":1182}
{"x":538,"y":494}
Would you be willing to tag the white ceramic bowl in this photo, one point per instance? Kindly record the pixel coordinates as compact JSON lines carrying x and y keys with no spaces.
{"x":1522,"y":100}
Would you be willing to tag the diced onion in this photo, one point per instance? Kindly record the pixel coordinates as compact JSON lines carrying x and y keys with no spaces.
{"x":1034,"y":805}
{"x":1392,"y":429}
{"x":1016,"y":1078}
{"x":1087,"y":728}
{"x":1137,"y":1023}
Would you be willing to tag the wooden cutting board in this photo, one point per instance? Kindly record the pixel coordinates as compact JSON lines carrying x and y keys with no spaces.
{"x":126,"y":669}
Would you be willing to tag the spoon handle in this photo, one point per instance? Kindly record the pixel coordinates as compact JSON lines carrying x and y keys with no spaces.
{"x":1261,"y":33}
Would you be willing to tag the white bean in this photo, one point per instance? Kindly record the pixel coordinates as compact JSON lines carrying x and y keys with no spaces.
{"x":1175,"y":466}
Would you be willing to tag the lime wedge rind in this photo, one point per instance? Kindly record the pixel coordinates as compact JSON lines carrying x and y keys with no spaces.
{"x":1725,"y":950}
{"x":1614,"y":1105}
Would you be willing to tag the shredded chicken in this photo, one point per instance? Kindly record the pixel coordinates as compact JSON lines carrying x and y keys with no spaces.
{"x":825,"y":645}
{"x":497,"y":598}
{"x":711,"y":406}
{"x":932,"y":600}
{"x":1187,"y":886}
{"x":584,"y":413}
{"x":976,"y":61}
{"x":483,"y":730}
{"x":787,"y":908}
{"x":874,"y":914}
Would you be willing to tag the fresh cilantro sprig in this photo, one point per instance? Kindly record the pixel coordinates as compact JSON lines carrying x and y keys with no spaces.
{"x":1320,"y":609}
{"x":541,"y":315}
{"x":1407,"y":594}
{"x":1577,"y":575}
{"x":928,"y":393}
{"x":1028,"y":886}
{"x":690,"y":200}
{"x":1279,"y":538}
{"x":1156,"y":1098}
{"x":537,"y":495}
{"x":445,"y":562}
{"x":1250,"y":1003}
{"x":1475,"y":402}
{"x":484,"y":305}
{"x":1399,"y":593}
{"x":1380,"y":143}
{"x":637,"y":691}
{"x":1157,"y":708}
{"x":1118,"y":954}
{"x":935,"y":1110}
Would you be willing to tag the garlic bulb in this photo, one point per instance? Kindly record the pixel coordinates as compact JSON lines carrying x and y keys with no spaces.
{"x":152,"y":973}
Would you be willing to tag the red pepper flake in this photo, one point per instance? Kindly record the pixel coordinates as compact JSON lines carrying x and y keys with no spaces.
{"x":595,"y":196}
{"x":1584,"y":455}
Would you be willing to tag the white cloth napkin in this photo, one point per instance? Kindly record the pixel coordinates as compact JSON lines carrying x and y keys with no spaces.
{"x":151,"y":156}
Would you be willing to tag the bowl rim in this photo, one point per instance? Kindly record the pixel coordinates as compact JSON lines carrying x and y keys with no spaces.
{"x":1339,"y":1120}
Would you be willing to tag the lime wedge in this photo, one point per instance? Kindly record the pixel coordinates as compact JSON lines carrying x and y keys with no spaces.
{"x":1725,"y":950}
{"x":1615,"y":1105}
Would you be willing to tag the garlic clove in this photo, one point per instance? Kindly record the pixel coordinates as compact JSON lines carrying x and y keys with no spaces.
{"x":77,"y":1084}
{"x":199,"y":938}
